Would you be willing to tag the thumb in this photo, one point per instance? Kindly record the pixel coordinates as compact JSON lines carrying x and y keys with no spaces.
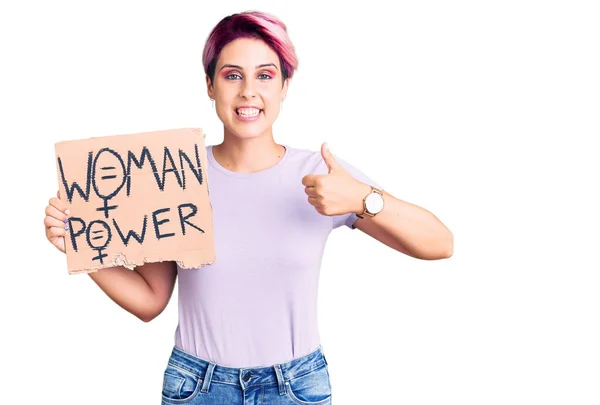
{"x":328,"y":157}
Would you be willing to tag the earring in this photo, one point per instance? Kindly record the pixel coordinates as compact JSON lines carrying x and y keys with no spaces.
{"x":212,"y":100}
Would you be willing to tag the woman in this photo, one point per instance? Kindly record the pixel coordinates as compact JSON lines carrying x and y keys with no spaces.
{"x":247,"y":331}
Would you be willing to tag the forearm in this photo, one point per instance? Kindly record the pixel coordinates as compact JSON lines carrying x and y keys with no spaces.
{"x":413,"y":227}
{"x":416,"y":228}
{"x":128,"y":289}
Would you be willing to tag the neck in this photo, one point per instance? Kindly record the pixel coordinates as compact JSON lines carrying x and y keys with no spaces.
{"x":248,"y":155}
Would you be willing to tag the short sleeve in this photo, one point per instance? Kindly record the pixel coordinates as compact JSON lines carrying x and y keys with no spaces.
{"x":350,"y":218}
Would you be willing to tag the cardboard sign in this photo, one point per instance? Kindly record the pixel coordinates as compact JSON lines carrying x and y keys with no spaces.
{"x":135,"y":199}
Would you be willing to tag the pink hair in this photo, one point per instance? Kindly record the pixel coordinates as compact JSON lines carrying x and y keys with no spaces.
{"x":250,"y":24}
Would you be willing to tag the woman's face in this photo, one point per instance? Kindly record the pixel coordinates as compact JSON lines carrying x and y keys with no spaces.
{"x":247,"y":87}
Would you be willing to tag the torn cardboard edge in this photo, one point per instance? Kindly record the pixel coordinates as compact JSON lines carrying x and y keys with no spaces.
{"x":121,"y":261}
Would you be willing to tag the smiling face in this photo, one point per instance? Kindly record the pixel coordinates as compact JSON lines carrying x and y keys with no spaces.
{"x":247,"y":87}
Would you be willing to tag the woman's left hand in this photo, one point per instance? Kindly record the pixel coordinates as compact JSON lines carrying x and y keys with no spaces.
{"x":337,"y":192}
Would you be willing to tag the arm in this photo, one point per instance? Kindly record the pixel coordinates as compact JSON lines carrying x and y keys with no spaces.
{"x":405,"y":227}
{"x":144,"y":292}
{"x":402,"y":226}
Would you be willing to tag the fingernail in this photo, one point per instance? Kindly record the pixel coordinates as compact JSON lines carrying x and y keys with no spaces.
{"x":67,"y":212}
{"x":66,"y":220}
{"x":66,"y":227}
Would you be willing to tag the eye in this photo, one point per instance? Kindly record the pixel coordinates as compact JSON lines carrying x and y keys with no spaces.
{"x":264,"y":76}
{"x":229,"y":76}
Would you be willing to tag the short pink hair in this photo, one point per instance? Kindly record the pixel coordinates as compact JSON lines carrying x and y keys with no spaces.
{"x":250,"y":24}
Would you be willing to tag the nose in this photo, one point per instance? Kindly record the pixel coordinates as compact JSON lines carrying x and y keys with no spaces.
{"x":247,"y":89}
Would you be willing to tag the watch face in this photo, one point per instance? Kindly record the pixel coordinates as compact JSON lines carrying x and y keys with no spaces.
{"x":374,"y":203}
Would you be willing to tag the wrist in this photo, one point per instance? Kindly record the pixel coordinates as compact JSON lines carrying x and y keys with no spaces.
{"x":362,"y":191}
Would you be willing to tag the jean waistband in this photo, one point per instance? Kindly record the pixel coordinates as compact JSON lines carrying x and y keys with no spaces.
{"x":246,"y":377}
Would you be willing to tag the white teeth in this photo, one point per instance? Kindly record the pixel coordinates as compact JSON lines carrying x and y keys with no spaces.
{"x":248,"y":112}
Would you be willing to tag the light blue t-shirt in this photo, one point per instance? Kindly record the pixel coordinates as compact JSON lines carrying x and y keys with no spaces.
{"x":256,"y":305}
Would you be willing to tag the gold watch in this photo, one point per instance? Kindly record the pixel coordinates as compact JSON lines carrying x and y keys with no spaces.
{"x":372,"y":203}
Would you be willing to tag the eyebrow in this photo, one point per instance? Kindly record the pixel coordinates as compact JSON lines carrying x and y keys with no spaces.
{"x":241,"y":68}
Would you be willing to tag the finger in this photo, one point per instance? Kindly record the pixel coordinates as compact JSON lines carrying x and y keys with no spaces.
{"x":54,"y":231}
{"x":55,"y":213}
{"x":327,"y":156}
{"x":313,"y":201}
{"x":60,"y":245}
{"x":51,"y":221}
{"x":309,"y":180}
{"x":59,"y":204}
{"x":330,"y":161}
{"x":311,"y":191}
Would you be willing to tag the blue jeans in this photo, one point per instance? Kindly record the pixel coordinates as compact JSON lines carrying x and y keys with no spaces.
{"x":191,"y":380}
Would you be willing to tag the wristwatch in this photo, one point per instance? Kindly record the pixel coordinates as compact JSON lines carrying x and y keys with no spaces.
{"x":372,"y":203}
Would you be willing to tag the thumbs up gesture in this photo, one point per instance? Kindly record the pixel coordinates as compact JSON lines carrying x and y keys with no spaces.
{"x":336,"y":192}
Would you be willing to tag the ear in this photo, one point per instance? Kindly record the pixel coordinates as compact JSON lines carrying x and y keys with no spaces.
{"x":209,"y":87}
{"x":284,"y":89}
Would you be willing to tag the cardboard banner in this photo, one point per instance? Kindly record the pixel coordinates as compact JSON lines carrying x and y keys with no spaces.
{"x":136,"y":199}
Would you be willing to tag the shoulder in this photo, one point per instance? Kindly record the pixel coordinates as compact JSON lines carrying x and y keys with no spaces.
{"x":305,"y":160}
{"x":311,"y":161}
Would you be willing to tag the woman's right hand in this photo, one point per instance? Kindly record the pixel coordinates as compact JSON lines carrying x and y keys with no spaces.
{"x":56,"y":222}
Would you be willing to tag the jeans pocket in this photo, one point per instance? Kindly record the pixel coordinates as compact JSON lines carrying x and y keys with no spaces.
{"x":179,"y":384}
{"x":312,"y":388}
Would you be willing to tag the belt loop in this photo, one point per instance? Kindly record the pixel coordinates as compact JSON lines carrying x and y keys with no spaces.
{"x":280,"y":381}
{"x":208,"y":377}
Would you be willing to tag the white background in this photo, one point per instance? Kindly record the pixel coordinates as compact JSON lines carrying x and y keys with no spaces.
{"x":484,"y":113}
